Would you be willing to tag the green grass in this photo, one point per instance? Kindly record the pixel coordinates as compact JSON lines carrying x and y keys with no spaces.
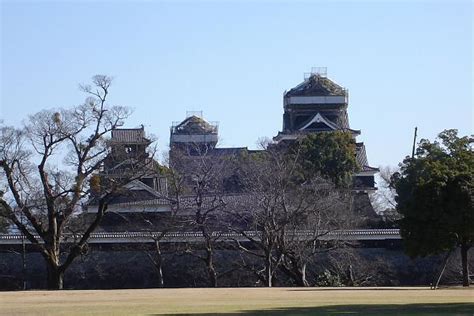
{"x":242,"y":301}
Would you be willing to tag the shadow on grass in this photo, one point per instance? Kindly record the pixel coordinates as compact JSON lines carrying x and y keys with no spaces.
{"x":381,"y":309}
{"x":325,"y":289}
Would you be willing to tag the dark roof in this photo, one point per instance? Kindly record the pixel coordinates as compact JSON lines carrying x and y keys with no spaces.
{"x":141,"y":202}
{"x":194,"y":125}
{"x":317,"y":85}
{"x":361,"y":157}
{"x":369,"y":168}
{"x":129,"y":136}
{"x":127,"y":196}
{"x":132,"y":196}
{"x":228,"y":199}
{"x":231,"y":151}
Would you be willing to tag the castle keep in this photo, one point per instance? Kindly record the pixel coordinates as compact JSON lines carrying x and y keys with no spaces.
{"x":318,"y":104}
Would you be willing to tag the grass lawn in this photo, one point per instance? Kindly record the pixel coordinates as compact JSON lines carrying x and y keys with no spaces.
{"x":242,"y":301}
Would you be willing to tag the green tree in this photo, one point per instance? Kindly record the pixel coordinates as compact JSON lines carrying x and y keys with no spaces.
{"x":330,"y":155}
{"x":435,"y":197}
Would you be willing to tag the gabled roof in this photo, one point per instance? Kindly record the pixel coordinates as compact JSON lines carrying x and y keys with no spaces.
{"x":133,"y":192}
{"x":318,"y":118}
{"x":129,"y":136}
{"x":323,"y":120}
{"x":317,"y":85}
{"x":137,"y":185}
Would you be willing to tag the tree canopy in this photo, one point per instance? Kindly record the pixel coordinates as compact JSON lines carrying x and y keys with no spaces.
{"x":330,"y":155}
{"x":435,"y":197}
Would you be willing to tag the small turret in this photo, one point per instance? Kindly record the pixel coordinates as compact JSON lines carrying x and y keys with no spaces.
{"x":194,"y":134}
{"x":129,"y":143}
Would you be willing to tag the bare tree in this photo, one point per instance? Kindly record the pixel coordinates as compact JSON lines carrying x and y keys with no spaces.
{"x":48,"y":192}
{"x":285,"y":219}
{"x":173,"y":220}
{"x":383,"y":200}
{"x":349,"y":267}
{"x":198,"y":189}
{"x":315,"y":210}
{"x":156,"y":258}
{"x":384,"y":197}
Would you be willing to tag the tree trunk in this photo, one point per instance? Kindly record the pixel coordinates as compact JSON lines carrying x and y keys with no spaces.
{"x":350,"y":276}
{"x":211,"y":270}
{"x":210,"y":267}
{"x":296,"y":270}
{"x":465,"y":266}
{"x":212,"y":275}
{"x":55,"y":273}
{"x":159,"y":264}
{"x":301,"y":276}
{"x":55,"y":277}
{"x":268,"y":269}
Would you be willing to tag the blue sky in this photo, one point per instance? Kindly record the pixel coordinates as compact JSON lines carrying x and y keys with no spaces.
{"x":405,"y":63}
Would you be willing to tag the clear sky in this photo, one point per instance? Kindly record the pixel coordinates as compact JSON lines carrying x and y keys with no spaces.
{"x":405,"y":63}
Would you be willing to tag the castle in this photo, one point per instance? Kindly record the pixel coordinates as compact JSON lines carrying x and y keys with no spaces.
{"x":317,"y":104}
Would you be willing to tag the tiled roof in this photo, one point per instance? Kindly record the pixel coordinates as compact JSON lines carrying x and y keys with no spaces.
{"x":194,"y":125}
{"x":129,"y":136}
{"x":361,"y":157}
{"x":317,"y":85}
{"x":136,"y":196}
{"x":144,"y":202}
{"x":369,"y":168}
{"x":227,"y":151}
{"x":207,"y":201}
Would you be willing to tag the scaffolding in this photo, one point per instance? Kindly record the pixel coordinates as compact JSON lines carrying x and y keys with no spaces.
{"x":194,"y":113}
{"x":320,"y":71}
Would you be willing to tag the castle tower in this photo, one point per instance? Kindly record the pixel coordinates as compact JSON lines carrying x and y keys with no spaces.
{"x":318,"y":104}
{"x":126,"y":144}
{"x":194,"y":134}
{"x":128,"y":154}
{"x":139,"y":203}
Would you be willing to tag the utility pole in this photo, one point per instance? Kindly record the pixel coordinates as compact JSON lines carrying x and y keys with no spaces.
{"x":414,"y":144}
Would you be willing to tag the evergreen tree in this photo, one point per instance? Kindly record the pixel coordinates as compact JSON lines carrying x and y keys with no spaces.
{"x":329,"y":155}
{"x":435,"y":197}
